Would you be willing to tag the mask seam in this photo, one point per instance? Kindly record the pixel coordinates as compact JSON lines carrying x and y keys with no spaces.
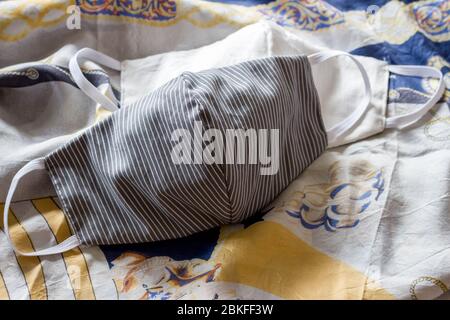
{"x":319,"y":104}
{"x":190,"y":89}
{"x":385,"y":96}
{"x":64,"y":201}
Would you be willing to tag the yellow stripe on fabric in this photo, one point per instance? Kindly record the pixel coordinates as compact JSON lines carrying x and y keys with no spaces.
{"x":3,"y":291}
{"x":19,"y":17}
{"x":269,"y":257}
{"x":30,"y":266}
{"x":77,"y":268}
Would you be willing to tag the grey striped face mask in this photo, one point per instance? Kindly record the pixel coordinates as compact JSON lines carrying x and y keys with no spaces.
{"x":118,"y":182}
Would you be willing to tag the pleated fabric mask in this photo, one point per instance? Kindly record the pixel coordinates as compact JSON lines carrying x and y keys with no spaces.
{"x":119,"y":181}
{"x":337,"y":81}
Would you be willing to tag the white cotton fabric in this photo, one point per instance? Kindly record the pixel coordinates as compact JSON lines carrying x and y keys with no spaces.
{"x":37,"y":119}
{"x":338,"y":81}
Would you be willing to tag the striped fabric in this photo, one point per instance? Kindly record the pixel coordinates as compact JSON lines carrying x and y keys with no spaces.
{"x":117,"y":181}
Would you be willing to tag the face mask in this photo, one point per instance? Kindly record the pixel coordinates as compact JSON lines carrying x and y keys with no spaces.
{"x":121,"y":181}
{"x":338,"y":81}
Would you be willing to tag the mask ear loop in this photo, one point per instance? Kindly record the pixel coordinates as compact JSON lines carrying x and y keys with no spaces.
{"x":341,"y":128}
{"x":84,"y":84}
{"x":406,"y":120}
{"x":68,"y":244}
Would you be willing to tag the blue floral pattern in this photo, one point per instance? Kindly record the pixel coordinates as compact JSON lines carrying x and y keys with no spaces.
{"x":339,"y":204}
{"x":150,"y":10}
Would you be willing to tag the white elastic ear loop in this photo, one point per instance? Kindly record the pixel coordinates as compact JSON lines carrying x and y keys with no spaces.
{"x":68,"y":244}
{"x":84,"y":84}
{"x":339,"y":129}
{"x":405,"y":120}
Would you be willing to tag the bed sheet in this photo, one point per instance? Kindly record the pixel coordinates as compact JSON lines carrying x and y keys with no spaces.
{"x":370,"y":220}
